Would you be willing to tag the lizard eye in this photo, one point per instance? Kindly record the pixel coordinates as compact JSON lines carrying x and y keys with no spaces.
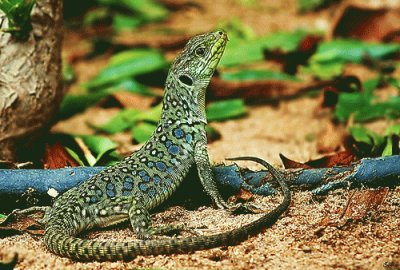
{"x":200,"y":51}
{"x":185,"y":79}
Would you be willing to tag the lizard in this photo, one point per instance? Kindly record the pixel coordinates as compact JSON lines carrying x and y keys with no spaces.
{"x":136,"y":185}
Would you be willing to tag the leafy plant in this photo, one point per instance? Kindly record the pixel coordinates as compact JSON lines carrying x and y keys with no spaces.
{"x":330,"y":57}
{"x":126,"y":14}
{"x":255,"y":75}
{"x":128,"y":64}
{"x":93,"y":150}
{"x":225,"y":109}
{"x":364,"y":106}
{"x":18,"y":13}
{"x":372,"y":143}
{"x":241,"y":51}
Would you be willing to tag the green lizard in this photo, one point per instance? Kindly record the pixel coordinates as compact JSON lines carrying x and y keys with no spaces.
{"x":142,"y":181}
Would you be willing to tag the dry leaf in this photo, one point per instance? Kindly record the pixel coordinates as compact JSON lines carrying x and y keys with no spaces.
{"x":367,"y":23}
{"x":57,"y":157}
{"x":342,"y":158}
{"x":360,"y":204}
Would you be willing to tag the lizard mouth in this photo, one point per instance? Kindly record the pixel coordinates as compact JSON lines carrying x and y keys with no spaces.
{"x":219,"y":46}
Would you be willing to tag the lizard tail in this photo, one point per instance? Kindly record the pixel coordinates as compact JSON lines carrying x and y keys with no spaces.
{"x":63,"y":244}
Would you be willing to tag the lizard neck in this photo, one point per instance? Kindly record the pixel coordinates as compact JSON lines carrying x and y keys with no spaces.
{"x":183,"y":102}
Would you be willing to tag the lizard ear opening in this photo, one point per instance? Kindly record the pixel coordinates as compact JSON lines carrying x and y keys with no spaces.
{"x":185,"y":79}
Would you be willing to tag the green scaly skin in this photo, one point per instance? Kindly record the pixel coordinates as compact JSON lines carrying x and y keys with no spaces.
{"x":144,"y":180}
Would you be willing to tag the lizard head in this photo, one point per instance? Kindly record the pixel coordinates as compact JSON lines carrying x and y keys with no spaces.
{"x":194,"y":67}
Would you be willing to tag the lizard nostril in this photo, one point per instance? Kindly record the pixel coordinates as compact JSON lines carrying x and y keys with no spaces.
{"x":221,"y":33}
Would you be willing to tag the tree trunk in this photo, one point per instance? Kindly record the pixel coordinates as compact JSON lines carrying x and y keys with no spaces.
{"x":30,"y":79}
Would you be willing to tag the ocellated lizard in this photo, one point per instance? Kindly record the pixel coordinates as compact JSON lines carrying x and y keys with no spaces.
{"x":142,"y":181}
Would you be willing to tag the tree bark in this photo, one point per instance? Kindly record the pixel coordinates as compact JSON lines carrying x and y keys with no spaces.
{"x":30,"y":79}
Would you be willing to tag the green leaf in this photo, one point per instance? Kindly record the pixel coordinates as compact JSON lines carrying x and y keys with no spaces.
{"x":256,"y":75}
{"x":330,"y":57}
{"x":148,"y":9}
{"x":324,"y":71}
{"x":388,"y":150}
{"x":98,"y":146}
{"x":18,"y":13}
{"x":123,"y":120}
{"x":363,"y":105}
{"x":123,"y":22}
{"x":240,"y":52}
{"x":394,"y":82}
{"x":309,"y":5}
{"x":68,"y":72}
{"x":128,"y":118}
{"x":95,"y":15}
{"x":212,"y":133}
{"x":127,"y":85}
{"x":393,"y":130}
{"x":75,"y":156}
{"x":127,"y":64}
{"x":349,"y":50}
{"x":73,"y":103}
{"x":2,"y":216}
{"x":143,"y":131}
{"x":284,"y":41}
{"x":227,"y":109}
{"x":361,"y":134}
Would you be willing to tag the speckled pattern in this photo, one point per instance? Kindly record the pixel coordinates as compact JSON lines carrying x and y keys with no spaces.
{"x":129,"y":189}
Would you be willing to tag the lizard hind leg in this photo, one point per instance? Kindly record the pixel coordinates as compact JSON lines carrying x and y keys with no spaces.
{"x":141,"y":223}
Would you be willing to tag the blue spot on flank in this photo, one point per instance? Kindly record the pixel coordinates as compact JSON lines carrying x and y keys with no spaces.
{"x":128,"y":185}
{"x":143,"y":187}
{"x":110,"y":186}
{"x":99,"y":192}
{"x":126,"y":193}
{"x":146,"y":178}
{"x":173,"y":149}
{"x":178,"y":133}
{"x":168,"y":143}
{"x":110,"y":193}
{"x":128,"y":179}
{"x":152,"y":192}
{"x":142,"y":173}
{"x":189,"y":138}
{"x":170,"y":170}
{"x":161,"y":166}
{"x":150,"y":164}
{"x":160,"y":155}
{"x":156,"y":179}
{"x":93,"y":199}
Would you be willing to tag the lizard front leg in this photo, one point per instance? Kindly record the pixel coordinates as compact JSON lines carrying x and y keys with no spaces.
{"x":205,"y":173}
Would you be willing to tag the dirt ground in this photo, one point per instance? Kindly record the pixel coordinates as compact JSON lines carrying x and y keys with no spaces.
{"x":297,"y":240}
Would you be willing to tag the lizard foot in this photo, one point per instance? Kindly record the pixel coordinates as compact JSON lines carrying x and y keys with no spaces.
{"x":247,"y":208}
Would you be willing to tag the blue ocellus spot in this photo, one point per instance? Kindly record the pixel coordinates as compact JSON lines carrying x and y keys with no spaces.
{"x":110,"y":193}
{"x":146,"y":178}
{"x":99,"y":192}
{"x":161,"y":166}
{"x":142,"y":173}
{"x":110,"y":186}
{"x":189,"y":138}
{"x":126,"y":193}
{"x":128,"y":185}
{"x":93,"y":199}
{"x":151,"y":192}
{"x":173,"y":149}
{"x":168,"y":143}
{"x":143,"y":187}
{"x":156,"y":179}
{"x":150,"y":164}
{"x":178,"y":133}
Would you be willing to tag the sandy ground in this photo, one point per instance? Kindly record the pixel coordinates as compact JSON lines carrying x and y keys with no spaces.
{"x":296,"y":241}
